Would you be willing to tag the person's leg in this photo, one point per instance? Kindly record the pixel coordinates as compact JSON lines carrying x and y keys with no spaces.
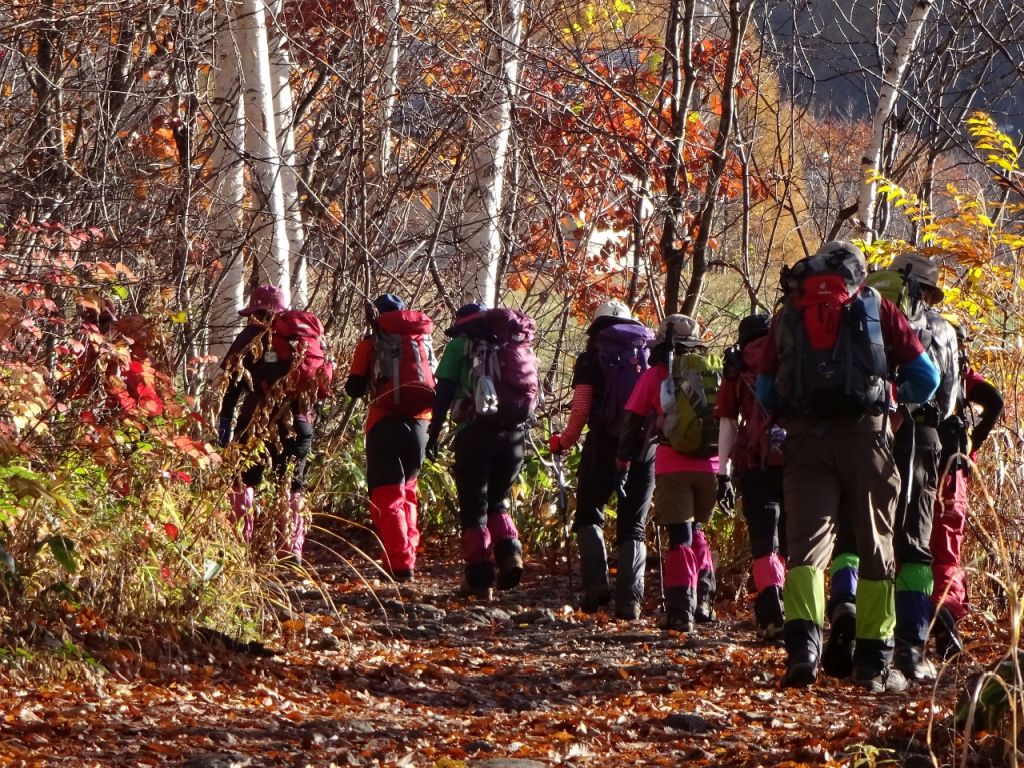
{"x":811,"y":489}
{"x":414,"y":443}
{"x":474,"y":448}
{"x":385,"y":479}
{"x":912,"y":544}
{"x":837,"y":656}
{"x":871,"y":487}
{"x":673,"y":503}
{"x":950,"y":594}
{"x":761,"y":491}
{"x":509,"y":454}
{"x":631,"y":527}
{"x":705,"y":491}
{"x":291,"y":527}
{"x":595,"y":484}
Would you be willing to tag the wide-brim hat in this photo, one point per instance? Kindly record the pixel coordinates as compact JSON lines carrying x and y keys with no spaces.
{"x":684,"y":330}
{"x":922,"y":268}
{"x":265,"y":298}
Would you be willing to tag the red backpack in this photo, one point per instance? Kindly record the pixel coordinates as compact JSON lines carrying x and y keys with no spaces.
{"x":297,"y":338}
{"x":403,"y":371}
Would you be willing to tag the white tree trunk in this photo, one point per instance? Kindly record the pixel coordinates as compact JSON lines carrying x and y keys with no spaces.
{"x":261,"y":144}
{"x":284,"y":113}
{"x":887,"y":94}
{"x":481,"y":218}
{"x":393,"y":8}
{"x":227,"y":185}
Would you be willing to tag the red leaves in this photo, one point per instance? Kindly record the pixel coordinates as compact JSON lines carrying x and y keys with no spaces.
{"x":172,"y":531}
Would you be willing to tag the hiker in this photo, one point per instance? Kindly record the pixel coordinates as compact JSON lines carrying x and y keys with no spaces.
{"x":826,"y":371}
{"x":277,"y":366}
{"x":488,"y":378}
{"x":911,"y":284}
{"x":750,"y":449}
{"x":603,"y":378}
{"x":680,"y":389}
{"x":394,"y":368}
{"x":962,"y":434}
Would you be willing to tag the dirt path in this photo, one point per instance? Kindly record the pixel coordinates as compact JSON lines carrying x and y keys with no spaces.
{"x":420,"y":677}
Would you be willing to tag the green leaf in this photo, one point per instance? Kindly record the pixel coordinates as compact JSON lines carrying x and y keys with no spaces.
{"x":63,"y":550}
{"x":121,"y":291}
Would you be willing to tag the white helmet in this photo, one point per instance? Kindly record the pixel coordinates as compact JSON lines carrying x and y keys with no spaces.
{"x":613,"y":308}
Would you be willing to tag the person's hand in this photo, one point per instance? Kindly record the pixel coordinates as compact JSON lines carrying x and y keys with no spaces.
{"x":726,"y":493}
{"x":555,"y":442}
{"x":224,"y":432}
{"x":430,"y":452}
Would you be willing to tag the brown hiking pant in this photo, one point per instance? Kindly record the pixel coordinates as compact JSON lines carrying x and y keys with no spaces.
{"x":840,"y":467}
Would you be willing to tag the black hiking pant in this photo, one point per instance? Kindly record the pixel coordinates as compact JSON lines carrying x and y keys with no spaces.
{"x":596,"y":482}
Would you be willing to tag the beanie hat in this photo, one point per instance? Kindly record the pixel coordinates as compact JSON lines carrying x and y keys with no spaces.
{"x":265,"y":298}
{"x":388,"y":302}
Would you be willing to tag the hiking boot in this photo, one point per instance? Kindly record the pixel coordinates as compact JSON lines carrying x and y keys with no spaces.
{"x":888,"y":680}
{"x":595,"y":599}
{"x":510,"y":571}
{"x":675,"y":622}
{"x":481,"y":592}
{"x":948,"y":641}
{"x":705,"y":613}
{"x":911,"y":661}
{"x":800,"y":674}
{"x":404,"y":575}
{"x":837,"y":658}
{"x":630,"y":610}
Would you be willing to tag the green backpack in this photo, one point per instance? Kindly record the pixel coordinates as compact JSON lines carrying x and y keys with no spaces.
{"x":688,"y":398}
{"x":899,"y":287}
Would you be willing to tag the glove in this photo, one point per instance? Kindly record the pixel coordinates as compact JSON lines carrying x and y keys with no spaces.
{"x":555,"y":443}
{"x":430,"y":452}
{"x":726,"y":493}
{"x":224,"y":432}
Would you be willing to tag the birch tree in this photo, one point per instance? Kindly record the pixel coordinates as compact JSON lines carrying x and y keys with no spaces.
{"x":261,"y":144}
{"x":226,"y":183}
{"x":481,"y":227}
{"x":284,"y":116}
{"x":892,"y":79}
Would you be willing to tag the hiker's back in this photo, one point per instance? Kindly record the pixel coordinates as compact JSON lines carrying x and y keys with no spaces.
{"x":504,"y":379}
{"x":403,"y":370}
{"x":828,"y":337}
{"x":622,"y":356}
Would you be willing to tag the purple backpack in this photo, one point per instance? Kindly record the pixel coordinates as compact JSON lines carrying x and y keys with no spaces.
{"x":622,"y":353}
{"x":504,"y":378}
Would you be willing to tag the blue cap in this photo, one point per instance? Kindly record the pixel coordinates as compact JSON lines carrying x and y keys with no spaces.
{"x":388,"y":302}
{"x":468,"y":310}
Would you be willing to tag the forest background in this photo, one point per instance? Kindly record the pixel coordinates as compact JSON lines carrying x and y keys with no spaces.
{"x":162,"y":158}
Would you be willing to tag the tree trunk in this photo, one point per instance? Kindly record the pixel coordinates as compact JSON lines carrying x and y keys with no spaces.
{"x":481,"y":218}
{"x":227,"y":186}
{"x":678,"y":68}
{"x":892,"y":78}
{"x":284,"y":113}
{"x":738,"y":19}
{"x":261,"y":145}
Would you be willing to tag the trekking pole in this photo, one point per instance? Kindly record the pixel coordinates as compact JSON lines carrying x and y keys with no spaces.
{"x":661,"y":570}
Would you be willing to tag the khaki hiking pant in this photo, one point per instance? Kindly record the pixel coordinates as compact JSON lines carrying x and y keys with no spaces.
{"x":841,"y":468}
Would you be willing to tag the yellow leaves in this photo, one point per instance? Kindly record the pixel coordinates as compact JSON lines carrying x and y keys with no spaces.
{"x":1001,"y":150}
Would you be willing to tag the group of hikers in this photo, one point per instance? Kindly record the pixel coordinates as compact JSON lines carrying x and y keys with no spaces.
{"x":845,"y":428}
